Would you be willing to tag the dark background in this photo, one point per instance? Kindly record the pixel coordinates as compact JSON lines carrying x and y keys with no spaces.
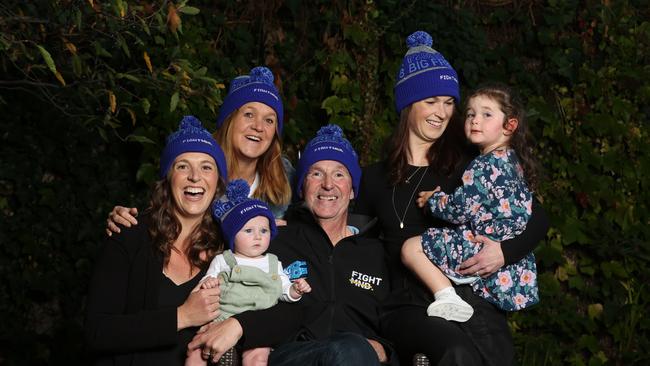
{"x":89,"y":89}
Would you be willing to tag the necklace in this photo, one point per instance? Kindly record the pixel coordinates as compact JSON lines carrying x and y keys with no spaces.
{"x":408,"y":180}
{"x":401,"y":220}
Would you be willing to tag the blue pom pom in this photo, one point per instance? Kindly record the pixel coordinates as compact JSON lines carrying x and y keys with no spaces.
{"x":189,"y":122}
{"x":237,"y":190}
{"x":262,"y":74}
{"x":419,"y":38}
{"x":330,"y":130}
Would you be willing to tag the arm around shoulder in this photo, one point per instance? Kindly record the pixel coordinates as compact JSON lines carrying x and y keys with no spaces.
{"x":517,"y":247}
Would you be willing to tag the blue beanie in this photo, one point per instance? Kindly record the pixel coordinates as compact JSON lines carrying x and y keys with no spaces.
{"x":256,"y":87}
{"x":191,"y":137}
{"x":329,"y":144}
{"x":424,"y":73}
{"x":234,"y":209}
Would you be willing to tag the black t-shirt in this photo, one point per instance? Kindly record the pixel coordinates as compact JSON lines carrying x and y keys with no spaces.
{"x":173,"y":295}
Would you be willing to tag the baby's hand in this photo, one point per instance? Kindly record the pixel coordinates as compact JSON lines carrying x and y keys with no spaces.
{"x":301,"y":286}
{"x":210,"y":282}
{"x":424,"y":196}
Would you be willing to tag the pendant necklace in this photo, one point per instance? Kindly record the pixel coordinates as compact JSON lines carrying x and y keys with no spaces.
{"x":401,"y":220}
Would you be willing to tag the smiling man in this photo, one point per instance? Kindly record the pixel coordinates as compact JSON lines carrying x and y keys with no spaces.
{"x":337,"y":323}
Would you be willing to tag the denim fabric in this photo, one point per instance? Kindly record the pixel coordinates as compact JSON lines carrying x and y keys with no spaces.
{"x":341,"y":349}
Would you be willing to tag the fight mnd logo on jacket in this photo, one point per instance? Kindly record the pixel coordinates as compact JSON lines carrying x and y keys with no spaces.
{"x":364,"y":281}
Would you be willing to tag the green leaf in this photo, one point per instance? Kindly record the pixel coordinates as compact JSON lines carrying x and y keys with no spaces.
{"x":146,"y":173}
{"x":48,"y":59}
{"x":189,"y":10}
{"x":100,"y":51}
{"x":173,"y":103}
{"x":139,"y":138}
{"x":120,"y":75}
{"x":145,"y":105}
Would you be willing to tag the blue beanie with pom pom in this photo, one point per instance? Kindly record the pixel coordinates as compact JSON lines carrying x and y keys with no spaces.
{"x":329,"y":144}
{"x":256,"y":87}
{"x":235,"y":208}
{"x":424,"y":73}
{"x":191,"y":137}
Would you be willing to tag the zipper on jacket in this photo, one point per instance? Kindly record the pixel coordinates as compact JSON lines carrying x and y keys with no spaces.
{"x":330,"y":259}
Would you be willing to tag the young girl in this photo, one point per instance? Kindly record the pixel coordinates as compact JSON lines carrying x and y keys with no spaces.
{"x":493,"y":201}
{"x":249,"y":278}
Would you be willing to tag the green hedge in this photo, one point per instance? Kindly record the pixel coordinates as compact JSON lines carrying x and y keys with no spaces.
{"x":89,"y":90}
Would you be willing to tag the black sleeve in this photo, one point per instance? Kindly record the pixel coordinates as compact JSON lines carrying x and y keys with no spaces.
{"x":270,"y":327}
{"x":363,"y":203}
{"x":516,"y":248}
{"x":108,"y":327}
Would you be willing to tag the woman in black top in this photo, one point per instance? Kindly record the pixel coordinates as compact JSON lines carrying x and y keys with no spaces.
{"x":141,"y":308}
{"x":428,"y":150}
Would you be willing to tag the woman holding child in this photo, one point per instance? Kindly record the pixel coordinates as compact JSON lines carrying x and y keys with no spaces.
{"x":428,"y":150}
{"x":141,"y":308}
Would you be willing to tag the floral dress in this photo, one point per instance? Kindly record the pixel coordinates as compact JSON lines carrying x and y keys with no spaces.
{"x":494,"y":201}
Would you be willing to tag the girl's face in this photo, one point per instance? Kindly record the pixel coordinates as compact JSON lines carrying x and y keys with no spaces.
{"x":193,"y":178}
{"x":253,"y":127}
{"x":429,"y":117}
{"x":252,"y":241}
{"x":484,"y":124}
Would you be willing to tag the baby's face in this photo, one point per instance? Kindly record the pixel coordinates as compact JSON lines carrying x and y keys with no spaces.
{"x":253,"y":239}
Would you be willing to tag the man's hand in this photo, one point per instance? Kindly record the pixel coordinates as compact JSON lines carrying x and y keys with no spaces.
{"x":379,"y":349}
{"x":217,"y":338}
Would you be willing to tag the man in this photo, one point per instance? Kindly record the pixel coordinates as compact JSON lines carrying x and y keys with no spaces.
{"x":335,"y":324}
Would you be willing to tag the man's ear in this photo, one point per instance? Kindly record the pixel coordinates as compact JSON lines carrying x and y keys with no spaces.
{"x":510,"y":126}
{"x":352,"y":194}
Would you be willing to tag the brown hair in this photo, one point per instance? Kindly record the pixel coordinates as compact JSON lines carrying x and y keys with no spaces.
{"x":521,"y":140}
{"x":443,"y":155}
{"x":274,"y":185}
{"x":165,"y":227}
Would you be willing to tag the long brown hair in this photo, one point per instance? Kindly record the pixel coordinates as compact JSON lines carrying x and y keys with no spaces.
{"x":274,"y":185}
{"x":165,"y":227}
{"x":443,"y":155}
{"x":521,"y":140}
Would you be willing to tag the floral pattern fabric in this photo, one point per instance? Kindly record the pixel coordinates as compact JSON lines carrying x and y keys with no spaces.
{"x":494,"y":201}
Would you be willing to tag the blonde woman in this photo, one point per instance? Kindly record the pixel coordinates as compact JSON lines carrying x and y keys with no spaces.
{"x":249,"y":126}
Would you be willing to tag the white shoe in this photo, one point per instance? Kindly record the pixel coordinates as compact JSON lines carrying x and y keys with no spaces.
{"x":451,"y":308}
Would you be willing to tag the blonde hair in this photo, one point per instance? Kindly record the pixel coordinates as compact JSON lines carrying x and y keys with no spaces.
{"x":274,"y":185}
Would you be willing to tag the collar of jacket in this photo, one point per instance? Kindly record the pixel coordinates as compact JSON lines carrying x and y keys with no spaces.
{"x":299,"y":212}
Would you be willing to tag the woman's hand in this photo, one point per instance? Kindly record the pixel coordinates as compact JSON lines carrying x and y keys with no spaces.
{"x":280,"y":222}
{"x":120,"y":215}
{"x":379,"y":349}
{"x":216,"y":338}
{"x":487,"y":261}
{"x":200,"y":307}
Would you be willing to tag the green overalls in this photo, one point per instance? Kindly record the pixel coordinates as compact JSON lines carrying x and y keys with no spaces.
{"x":248,"y":288}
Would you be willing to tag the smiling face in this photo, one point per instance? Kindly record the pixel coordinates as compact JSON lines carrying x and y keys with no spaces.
{"x":327,"y":190}
{"x":484,"y":124}
{"x":429,"y":117}
{"x":253,"y":239}
{"x":254,"y":125}
{"x":193,"y":179}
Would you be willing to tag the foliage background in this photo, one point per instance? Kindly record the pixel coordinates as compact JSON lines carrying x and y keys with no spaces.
{"x":89,"y":89}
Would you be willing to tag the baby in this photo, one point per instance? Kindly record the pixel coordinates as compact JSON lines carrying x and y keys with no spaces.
{"x":250,"y":278}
